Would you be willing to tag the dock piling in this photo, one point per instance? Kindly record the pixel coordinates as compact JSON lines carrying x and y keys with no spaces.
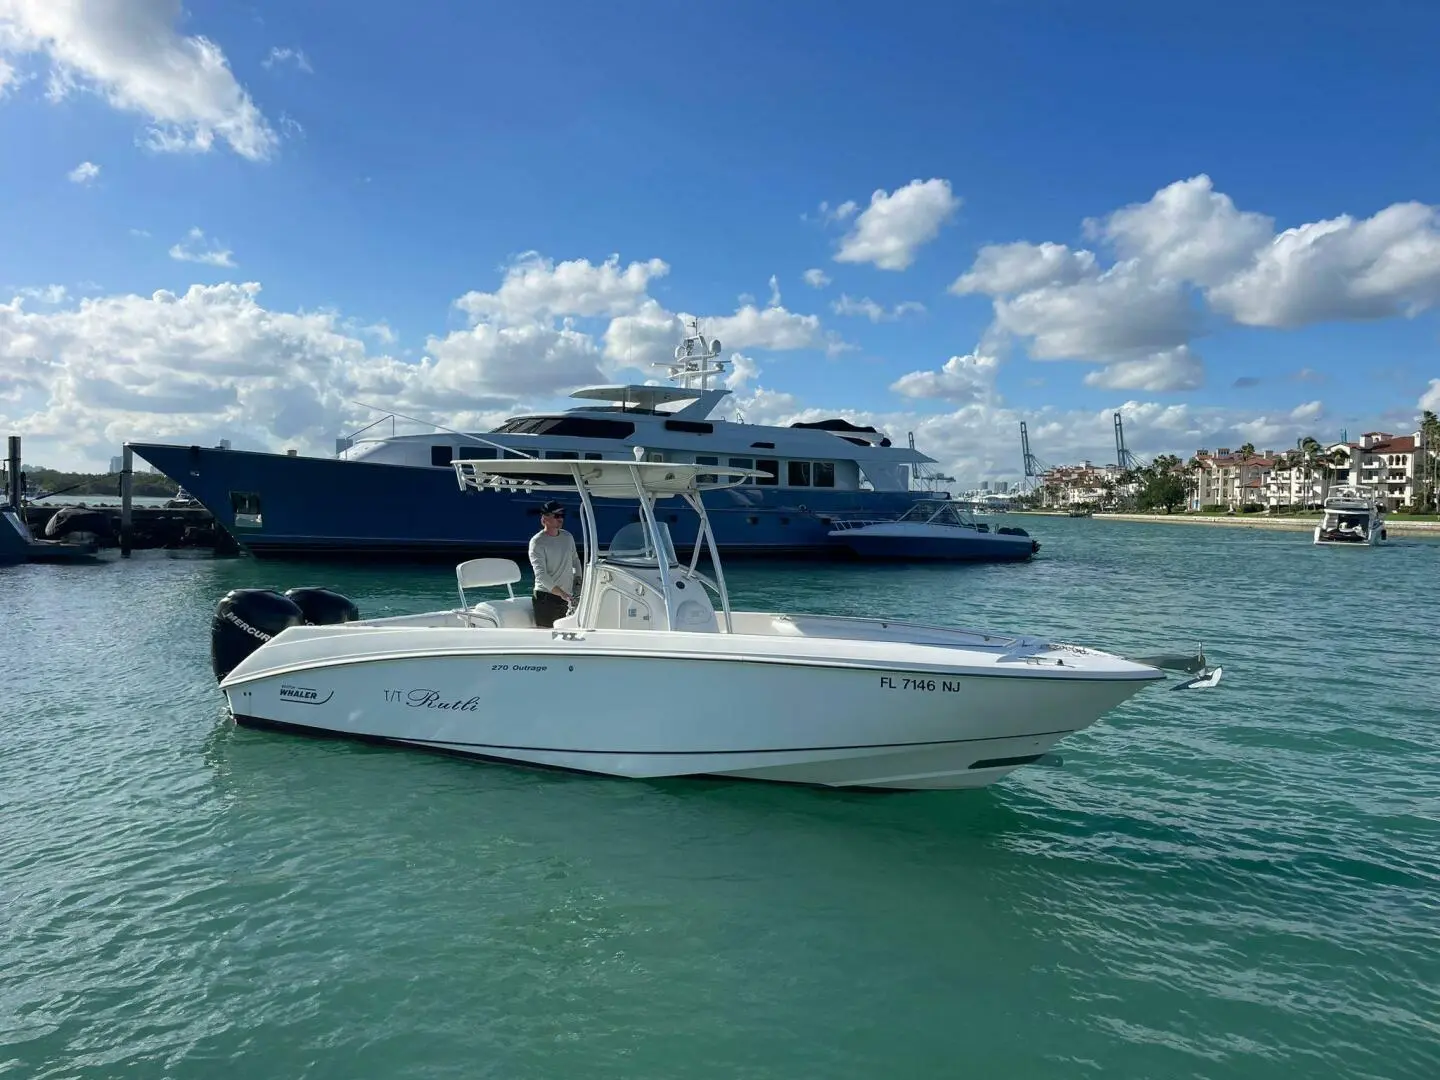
{"x":127,"y":482}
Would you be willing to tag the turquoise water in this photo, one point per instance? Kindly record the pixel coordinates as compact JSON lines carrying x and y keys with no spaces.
{"x":1237,"y":883}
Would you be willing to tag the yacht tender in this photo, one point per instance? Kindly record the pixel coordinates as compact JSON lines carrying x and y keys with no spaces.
{"x":1352,"y":517}
{"x":653,"y":674}
{"x":933,"y":529}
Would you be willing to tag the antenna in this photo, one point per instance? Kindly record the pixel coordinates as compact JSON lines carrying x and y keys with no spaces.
{"x":696,"y":360}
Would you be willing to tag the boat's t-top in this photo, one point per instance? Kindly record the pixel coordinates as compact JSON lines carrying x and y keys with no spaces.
{"x":638,"y":583}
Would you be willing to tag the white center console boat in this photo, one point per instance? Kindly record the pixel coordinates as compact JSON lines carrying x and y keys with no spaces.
{"x":653,"y":674}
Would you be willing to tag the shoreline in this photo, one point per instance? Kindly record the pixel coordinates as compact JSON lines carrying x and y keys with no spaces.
{"x":1393,"y":525}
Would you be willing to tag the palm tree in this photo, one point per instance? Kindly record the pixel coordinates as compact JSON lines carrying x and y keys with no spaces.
{"x":1430,"y":461}
{"x":1192,"y":477}
{"x":1245,"y":453}
{"x":1330,"y":460}
{"x":1310,"y":454}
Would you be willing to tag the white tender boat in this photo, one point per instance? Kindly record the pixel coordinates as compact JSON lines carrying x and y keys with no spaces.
{"x":654,"y":675}
{"x":1351,"y":518}
{"x":934,"y":529}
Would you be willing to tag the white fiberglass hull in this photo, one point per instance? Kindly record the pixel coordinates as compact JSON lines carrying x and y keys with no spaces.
{"x":1370,"y":539}
{"x":727,"y":705}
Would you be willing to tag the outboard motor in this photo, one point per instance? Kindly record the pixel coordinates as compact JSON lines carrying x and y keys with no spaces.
{"x":244,"y":620}
{"x":323,"y":607}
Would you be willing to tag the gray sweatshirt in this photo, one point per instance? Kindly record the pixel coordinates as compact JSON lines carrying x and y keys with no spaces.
{"x":554,"y":560}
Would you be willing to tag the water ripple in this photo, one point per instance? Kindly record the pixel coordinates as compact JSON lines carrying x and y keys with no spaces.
{"x":1235,"y":884}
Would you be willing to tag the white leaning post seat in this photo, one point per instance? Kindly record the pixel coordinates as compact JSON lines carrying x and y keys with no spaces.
{"x":488,"y":573}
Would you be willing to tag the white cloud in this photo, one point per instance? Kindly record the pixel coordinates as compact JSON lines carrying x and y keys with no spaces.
{"x":874,"y":311}
{"x":9,"y":77}
{"x":1308,"y":412}
{"x":536,"y":287}
{"x":743,"y":371}
{"x":896,"y":225}
{"x":1172,"y":369}
{"x":816,"y":278}
{"x":774,"y":291}
{"x":1004,"y":269}
{"x":765,"y":328}
{"x":514,"y":361}
{"x":295,"y":57}
{"x":1121,"y":311}
{"x":1187,"y":231}
{"x":212,"y":362}
{"x":839,"y":213}
{"x":647,"y":336}
{"x":1385,"y":265}
{"x":197,"y":249}
{"x":131,"y":54}
{"x":84,"y":173}
{"x":1188,"y":248}
{"x":45,"y":294}
{"x":961,"y":378}
{"x":1431,"y":398}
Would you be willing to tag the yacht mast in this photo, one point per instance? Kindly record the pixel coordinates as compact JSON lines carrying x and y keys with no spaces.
{"x":696,"y":360}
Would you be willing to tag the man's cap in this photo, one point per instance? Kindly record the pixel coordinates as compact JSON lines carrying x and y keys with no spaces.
{"x":553,"y":507}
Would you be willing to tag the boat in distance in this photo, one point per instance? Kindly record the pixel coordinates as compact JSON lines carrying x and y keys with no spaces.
{"x":1351,"y":517}
{"x":653,"y":674}
{"x":396,"y":496}
{"x":934,"y":530}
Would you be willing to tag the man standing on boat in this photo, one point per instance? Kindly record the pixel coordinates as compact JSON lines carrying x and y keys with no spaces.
{"x":556,"y":564}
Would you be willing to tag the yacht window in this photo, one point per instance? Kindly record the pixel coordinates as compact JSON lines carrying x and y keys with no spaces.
{"x":590,"y":455}
{"x":441,"y":455}
{"x":771,"y":467}
{"x":580,"y":427}
{"x":514,"y":455}
{"x":563,"y":455}
{"x":694,"y":427}
{"x":706,"y":459}
{"x":475,"y":453}
{"x":824,"y":474}
{"x":799,"y":474}
{"x":742,"y":463}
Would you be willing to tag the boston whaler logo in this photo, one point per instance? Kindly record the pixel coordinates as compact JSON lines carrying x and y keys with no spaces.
{"x":303,"y":695}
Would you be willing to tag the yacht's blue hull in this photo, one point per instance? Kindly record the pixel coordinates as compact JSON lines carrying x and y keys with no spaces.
{"x":328,"y":507}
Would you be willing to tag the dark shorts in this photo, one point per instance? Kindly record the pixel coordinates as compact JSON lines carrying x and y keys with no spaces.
{"x":548,"y":608}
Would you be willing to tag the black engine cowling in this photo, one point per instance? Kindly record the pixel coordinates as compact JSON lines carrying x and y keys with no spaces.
{"x":244,"y":620}
{"x":323,"y":607}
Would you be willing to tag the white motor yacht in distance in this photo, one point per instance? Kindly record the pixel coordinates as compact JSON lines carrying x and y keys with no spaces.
{"x":654,"y":675}
{"x":1352,"y":518}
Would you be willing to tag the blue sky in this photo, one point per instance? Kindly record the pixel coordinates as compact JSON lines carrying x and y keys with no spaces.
{"x":426,"y":196}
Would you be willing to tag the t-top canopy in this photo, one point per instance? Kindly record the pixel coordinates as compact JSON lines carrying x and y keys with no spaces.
{"x":602,"y":479}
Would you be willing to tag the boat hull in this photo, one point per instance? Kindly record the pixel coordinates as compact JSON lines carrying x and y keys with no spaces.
{"x":275,"y":505}
{"x":1324,"y":538}
{"x":893,"y":542}
{"x":575,"y":705}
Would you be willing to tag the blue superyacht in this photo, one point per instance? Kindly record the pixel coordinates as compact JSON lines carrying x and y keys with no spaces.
{"x":397,"y":496}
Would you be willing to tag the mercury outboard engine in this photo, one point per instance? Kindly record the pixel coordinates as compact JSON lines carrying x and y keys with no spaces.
{"x":244,"y":620}
{"x":323,"y":607}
